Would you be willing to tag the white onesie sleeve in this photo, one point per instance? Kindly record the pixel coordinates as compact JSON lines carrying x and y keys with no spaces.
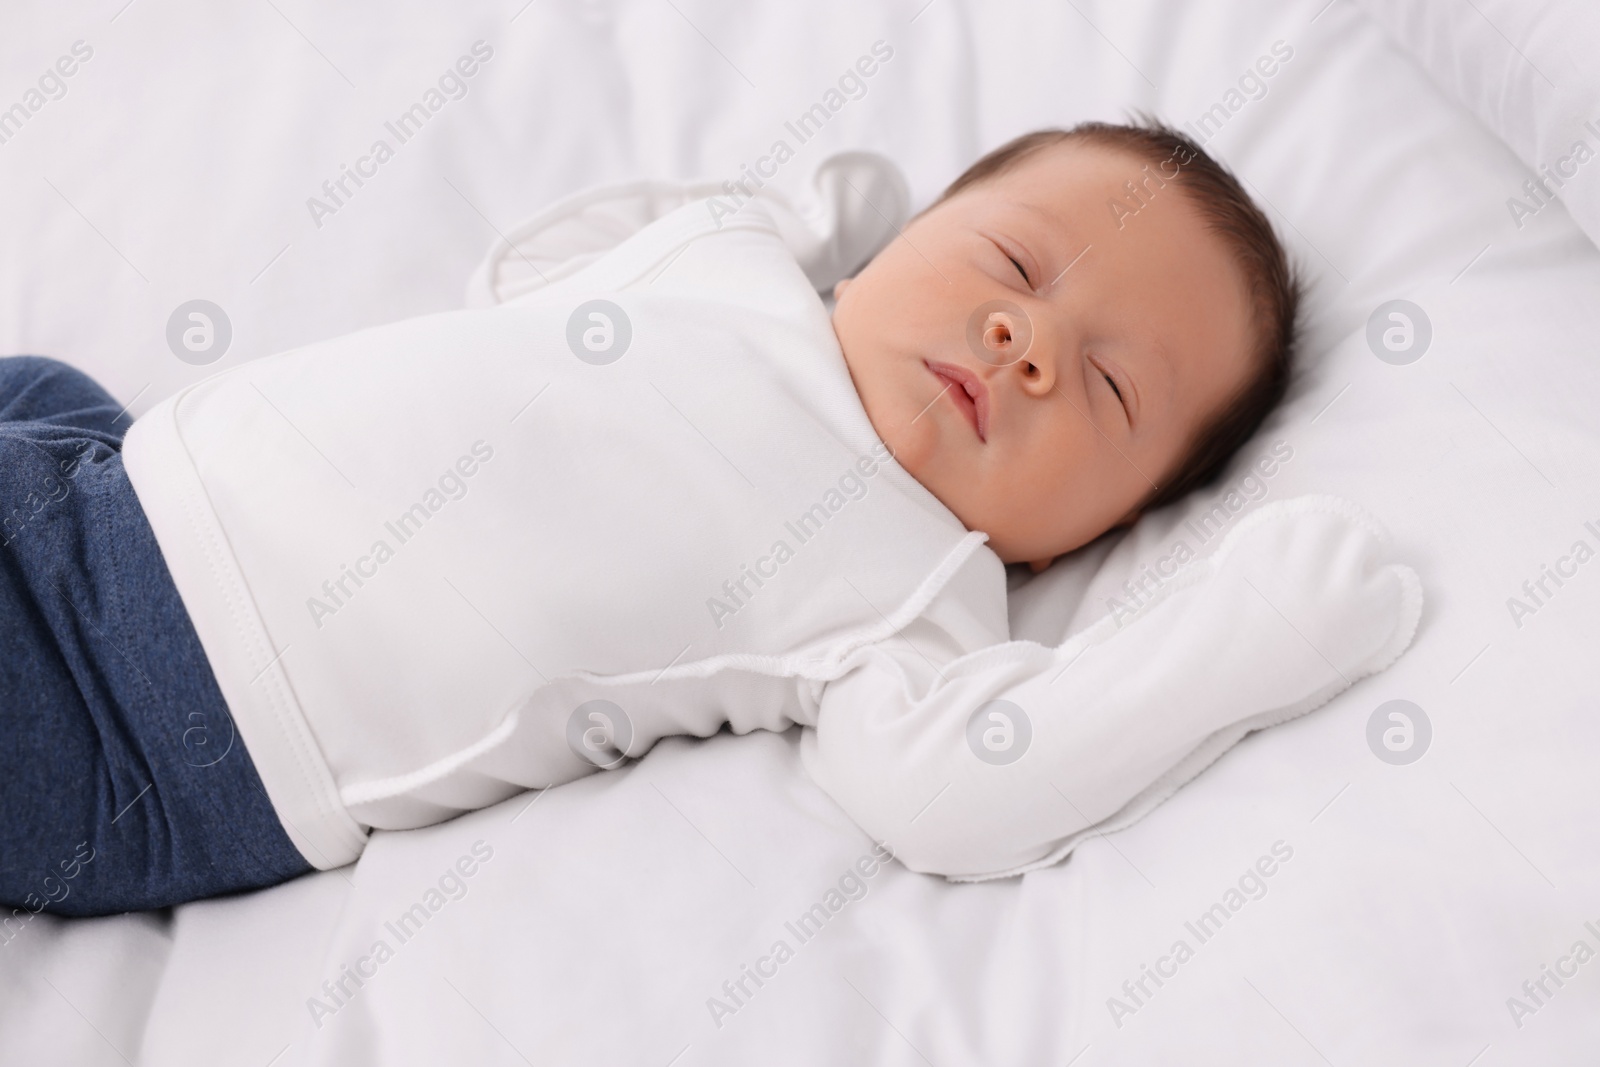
{"x":1000,"y":760}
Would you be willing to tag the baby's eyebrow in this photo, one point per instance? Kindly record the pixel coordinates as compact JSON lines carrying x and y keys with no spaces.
{"x":1053,"y":228}
{"x":1049,"y":220}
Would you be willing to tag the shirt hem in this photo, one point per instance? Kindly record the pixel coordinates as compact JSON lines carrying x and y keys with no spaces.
{"x":248,"y":669}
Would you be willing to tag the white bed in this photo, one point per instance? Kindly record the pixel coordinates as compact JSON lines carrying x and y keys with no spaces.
{"x":1418,"y":897}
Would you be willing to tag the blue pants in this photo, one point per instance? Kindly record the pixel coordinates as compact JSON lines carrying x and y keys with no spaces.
{"x":123,"y":784}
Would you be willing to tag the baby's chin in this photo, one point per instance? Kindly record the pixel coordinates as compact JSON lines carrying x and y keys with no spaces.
{"x":917,"y":453}
{"x":956,"y":491}
{"x":929,"y":450}
{"x":1021,"y":538}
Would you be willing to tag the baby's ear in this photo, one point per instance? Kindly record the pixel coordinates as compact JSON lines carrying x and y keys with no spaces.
{"x":840,"y":286}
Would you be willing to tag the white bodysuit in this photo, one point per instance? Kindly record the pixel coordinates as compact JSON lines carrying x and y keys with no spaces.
{"x":441,"y":561}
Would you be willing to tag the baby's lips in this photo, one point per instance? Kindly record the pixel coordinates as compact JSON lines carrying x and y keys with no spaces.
{"x":970,"y":392}
{"x":999,"y":333}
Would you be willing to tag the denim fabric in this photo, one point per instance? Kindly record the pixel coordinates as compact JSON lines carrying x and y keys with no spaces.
{"x":123,"y":784}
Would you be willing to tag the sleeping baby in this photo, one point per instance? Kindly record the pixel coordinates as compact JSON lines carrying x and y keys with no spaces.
{"x":389,"y":578}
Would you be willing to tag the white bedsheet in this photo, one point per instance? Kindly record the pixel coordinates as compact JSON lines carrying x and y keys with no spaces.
{"x":1418,"y":898}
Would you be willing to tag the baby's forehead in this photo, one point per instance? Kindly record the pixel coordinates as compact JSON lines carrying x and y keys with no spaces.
{"x":1093,"y":195}
{"x":1083,"y":164}
{"x":1059,"y":181}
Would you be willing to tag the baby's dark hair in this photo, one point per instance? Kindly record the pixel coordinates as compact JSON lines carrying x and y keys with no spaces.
{"x":1274,"y":284}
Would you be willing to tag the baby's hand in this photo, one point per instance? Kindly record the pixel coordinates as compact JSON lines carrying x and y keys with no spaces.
{"x":1321,"y":565}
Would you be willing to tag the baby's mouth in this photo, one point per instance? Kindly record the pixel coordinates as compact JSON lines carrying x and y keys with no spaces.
{"x":967,"y":391}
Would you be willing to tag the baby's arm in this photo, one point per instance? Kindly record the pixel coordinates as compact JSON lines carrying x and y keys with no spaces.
{"x":1001,"y":760}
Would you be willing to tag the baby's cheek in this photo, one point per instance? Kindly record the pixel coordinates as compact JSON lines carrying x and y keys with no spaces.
{"x":914,"y":443}
{"x":895,"y":415}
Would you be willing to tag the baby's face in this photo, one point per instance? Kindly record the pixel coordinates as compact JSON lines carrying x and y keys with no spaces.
{"x":1035,"y":367}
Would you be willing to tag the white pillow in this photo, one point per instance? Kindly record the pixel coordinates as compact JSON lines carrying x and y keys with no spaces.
{"x":1529,"y":72}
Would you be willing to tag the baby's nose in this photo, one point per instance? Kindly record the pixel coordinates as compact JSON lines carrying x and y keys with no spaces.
{"x":999,"y":333}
